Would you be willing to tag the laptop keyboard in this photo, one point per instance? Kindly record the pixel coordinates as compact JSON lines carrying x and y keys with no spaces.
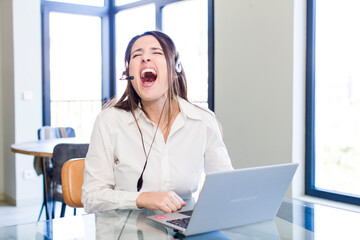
{"x":182,"y":222}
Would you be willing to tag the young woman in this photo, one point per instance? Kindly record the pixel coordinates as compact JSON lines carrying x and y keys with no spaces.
{"x":150,"y":148}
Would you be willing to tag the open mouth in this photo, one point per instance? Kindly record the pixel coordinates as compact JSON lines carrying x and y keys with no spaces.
{"x":148,"y":75}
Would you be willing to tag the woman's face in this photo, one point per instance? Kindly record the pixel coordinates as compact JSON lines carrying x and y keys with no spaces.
{"x":148,"y":66}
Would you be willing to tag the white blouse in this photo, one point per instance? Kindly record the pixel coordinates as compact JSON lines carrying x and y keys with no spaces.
{"x":116,"y":158}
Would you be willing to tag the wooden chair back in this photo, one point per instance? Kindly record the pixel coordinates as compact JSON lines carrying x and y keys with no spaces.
{"x":72,"y":179}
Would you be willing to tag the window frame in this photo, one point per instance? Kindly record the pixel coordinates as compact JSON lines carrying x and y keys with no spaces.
{"x":310,"y":188}
{"x":107,"y":14}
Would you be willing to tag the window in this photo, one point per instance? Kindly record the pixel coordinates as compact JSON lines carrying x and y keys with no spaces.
{"x":84,"y":44}
{"x":181,"y":20}
{"x":75,"y":70}
{"x":333,"y":101}
{"x":83,"y":2}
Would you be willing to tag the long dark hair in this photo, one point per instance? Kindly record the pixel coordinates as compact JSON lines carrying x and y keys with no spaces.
{"x":130,"y":100}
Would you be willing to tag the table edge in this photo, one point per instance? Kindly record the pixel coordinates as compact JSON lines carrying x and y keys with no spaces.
{"x":36,"y":154}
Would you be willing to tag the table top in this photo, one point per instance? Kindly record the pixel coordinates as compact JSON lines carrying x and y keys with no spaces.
{"x":43,"y":148}
{"x":295,"y":220}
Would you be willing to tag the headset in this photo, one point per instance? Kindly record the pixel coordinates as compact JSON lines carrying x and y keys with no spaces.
{"x":178,"y":67}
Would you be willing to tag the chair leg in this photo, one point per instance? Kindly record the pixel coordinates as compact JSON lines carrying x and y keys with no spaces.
{"x":42,"y":207}
{"x":53,"y":209}
{"x":63,"y":206}
{"x":74,"y":211}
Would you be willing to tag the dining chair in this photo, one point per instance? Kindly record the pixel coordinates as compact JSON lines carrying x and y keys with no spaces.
{"x":72,"y":179}
{"x":43,"y":133}
{"x":62,"y":153}
{"x":48,"y":132}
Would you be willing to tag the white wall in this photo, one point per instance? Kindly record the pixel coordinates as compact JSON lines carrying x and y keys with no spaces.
{"x":7,"y":166}
{"x":21,"y":72}
{"x":299,"y":76}
{"x":28,"y":78}
{"x":1,"y":109}
{"x":260,"y":81}
{"x":253,"y":79}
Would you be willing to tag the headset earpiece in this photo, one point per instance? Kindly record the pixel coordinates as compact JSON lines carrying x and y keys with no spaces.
{"x":178,"y":67}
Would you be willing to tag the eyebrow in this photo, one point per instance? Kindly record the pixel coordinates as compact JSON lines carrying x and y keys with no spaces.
{"x":155,"y":48}
{"x":141,"y":50}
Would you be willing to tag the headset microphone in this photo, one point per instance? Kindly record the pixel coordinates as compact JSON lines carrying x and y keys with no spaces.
{"x":127,"y":78}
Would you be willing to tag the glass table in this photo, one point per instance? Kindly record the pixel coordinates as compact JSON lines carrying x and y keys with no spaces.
{"x":295,"y":220}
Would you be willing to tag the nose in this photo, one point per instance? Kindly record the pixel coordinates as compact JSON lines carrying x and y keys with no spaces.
{"x":146,"y":57}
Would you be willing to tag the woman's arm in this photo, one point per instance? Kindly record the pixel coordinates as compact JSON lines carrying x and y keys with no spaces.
{"x":98,"y":191}
{"x":164,"y":201}
{"x":216,"y":155}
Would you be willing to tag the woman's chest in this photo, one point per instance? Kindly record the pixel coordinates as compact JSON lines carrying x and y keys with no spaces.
{"x":183,"y":153}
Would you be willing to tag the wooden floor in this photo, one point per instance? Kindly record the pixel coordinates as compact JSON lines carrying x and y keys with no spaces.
{"x":11,"y":215}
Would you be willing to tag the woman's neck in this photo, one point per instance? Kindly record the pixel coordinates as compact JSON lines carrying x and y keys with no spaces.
{"x":156,"y":111}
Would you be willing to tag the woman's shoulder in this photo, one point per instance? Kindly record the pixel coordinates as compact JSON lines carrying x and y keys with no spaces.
{"x":197,"y":111}
{"x":113,"y":114}
{"x":204,"y":110}
{"x":111,"y":111}
{"x":208,"y":118}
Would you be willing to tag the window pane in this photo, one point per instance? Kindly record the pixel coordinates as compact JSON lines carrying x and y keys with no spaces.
{"x":75,"y":71}
{"x":186,"y":22}
{"x":123,"y":2}
{"x":337,"y":116}
{"x":98,"y":3}
{"x":125,"y":30}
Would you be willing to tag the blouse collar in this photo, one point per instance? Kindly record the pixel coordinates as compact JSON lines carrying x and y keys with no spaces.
{"x":187,"y":109}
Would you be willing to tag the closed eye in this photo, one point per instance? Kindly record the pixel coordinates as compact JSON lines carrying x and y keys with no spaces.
{"x":135,"y":55}
{"x":156,"y":50}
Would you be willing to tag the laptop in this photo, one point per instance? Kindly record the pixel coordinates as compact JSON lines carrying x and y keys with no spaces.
{"x":234,"y":198}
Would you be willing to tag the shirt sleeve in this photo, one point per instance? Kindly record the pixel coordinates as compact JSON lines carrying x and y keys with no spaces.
{"x":216,"y":155}
{"x":98,"y":190}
